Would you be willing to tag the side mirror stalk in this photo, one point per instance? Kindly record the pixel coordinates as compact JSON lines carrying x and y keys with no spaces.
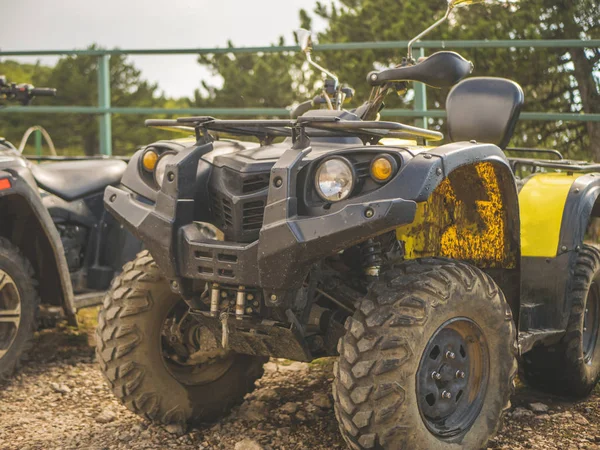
{"x":305,"y":42}
{"x":322,"y":69}
{"x":426,"y":31}
{"x":451,"y":5}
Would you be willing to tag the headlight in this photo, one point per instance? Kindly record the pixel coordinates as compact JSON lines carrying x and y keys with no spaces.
{"x":149,"y":160}
{"x":383,"y":168}
{"x":334,"y":179}
{"x":161,"y":168}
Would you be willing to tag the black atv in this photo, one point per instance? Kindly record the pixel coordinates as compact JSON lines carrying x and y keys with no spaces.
{"x":59,"y":249}
{"x":424,"y":268}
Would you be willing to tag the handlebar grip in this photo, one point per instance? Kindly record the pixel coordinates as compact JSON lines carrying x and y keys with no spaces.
{"x":43,"y":92}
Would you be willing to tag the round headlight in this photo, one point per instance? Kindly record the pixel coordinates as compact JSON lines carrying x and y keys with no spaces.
{"x":161,"y":168}
{"x":334,"y":179}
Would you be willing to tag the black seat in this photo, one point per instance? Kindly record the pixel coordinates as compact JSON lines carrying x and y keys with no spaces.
{"x":484,"y":109}
{"x":71,"y":180}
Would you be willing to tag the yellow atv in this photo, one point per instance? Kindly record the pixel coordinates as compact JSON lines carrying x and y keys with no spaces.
{"x":429,"y":270}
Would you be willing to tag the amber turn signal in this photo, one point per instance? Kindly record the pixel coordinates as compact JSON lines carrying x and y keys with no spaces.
{"x":383,"y":168}
{"x":149,"y":160}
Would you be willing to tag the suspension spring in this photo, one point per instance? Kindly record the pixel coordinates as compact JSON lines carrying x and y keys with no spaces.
{"x":371,"y":257}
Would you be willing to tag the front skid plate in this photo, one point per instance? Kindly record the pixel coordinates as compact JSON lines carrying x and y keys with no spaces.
{"x":265,"y":338}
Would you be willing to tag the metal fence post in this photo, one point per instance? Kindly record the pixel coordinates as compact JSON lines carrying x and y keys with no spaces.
{"x":421,"y":97}
{"x":105,"y":123}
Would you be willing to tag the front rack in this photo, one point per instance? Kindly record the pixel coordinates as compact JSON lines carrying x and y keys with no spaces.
{"x":325,"y":126}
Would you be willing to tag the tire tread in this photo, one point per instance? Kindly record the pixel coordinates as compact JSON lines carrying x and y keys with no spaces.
{"x":353,"y":385}
{"x":11,"y":251}
{"x":128,"y":297}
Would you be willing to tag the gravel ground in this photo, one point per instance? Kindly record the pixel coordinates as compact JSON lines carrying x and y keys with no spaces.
{"x":59,"y":400}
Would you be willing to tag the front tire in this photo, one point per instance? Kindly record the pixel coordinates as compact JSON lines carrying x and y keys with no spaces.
{"x":135,"y":329}
{"x":428,"y":360}
{"x":19,"y":303}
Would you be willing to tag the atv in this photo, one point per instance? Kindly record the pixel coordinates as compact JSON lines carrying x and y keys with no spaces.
{"x":429,"y":270}
{"x":59,"y":249}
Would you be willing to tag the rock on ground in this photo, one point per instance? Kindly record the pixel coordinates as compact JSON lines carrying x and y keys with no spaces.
{"x":248,"y":444}
{"x":539,"y":408}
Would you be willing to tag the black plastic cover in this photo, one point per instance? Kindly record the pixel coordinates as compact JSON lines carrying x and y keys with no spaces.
{"x":442,"y":69}
{"x":484,"y":109}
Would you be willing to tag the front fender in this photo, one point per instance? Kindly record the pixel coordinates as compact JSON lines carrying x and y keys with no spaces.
{"x":467,"y":205}
{"x":423,"y":174}
{"x":23,"y":211}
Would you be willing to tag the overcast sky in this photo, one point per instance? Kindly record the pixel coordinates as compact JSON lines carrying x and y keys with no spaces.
{"x":75,"y":24}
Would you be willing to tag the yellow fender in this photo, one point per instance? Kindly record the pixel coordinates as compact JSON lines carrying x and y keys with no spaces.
{"x":541,"y":203}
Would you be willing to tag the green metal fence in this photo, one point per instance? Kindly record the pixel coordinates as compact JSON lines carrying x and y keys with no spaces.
{"x":104,"y":110}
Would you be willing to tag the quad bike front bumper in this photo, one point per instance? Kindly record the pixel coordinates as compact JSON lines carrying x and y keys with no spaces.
{"x":288,"y":244}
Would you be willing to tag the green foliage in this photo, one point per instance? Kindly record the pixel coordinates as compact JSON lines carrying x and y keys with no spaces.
{"x":75,"y":78}
{"x":548,"y":76}
{"x":24,"y":73}
{"x":554,"y":80}
{"x":267,"y":80}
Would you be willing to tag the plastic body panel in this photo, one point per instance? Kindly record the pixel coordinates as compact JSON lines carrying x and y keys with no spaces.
{"x":24,"y":197}
{"x":290,"y":243}
{"x":547,"y":266}
{"x":542,"y":202}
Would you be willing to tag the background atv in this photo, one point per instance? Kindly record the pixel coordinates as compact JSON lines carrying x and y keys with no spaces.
{"x":57,"y":244}
{"x":424,"y":268}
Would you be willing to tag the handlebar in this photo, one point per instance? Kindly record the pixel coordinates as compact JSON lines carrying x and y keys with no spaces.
{"x":316,"y":101}
{"x":22,"y":93}
{"x":42,"y":92}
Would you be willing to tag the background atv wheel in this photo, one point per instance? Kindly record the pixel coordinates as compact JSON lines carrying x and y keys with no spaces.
{"x":572,"y":367}
{"x":143,"y":346}
{"x":428,"y":360}
{"x":18,"y":307}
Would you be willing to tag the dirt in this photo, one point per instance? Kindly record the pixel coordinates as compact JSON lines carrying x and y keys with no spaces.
{"x":59,"y":400}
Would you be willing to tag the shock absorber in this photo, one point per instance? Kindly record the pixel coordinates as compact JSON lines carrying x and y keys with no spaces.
{"x":371,"y":258}
{"x":214,"y":300}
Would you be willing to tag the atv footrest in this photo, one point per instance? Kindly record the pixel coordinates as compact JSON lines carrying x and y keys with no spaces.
{"x":528,"y":339}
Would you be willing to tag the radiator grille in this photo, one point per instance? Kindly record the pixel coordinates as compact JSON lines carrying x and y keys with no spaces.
{"x":237,"y":202}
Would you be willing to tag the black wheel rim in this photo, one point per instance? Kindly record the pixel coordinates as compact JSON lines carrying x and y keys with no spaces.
{"x":590,"y":323}
{"x":452,"y":377}
{"x":191,"y":353}
{"x":10,"y":312}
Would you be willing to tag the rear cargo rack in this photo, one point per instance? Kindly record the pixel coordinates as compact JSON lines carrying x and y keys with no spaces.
{"x":314,"y":126}
{"x":535,"y":150}
{"x":564,"y":165}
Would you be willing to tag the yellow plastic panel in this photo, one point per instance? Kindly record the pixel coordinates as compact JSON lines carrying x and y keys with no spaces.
{"x":541,"y":203}
{"x":398,"y":142}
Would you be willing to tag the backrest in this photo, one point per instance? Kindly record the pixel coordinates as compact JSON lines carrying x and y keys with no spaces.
{"x":484,"y":109}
